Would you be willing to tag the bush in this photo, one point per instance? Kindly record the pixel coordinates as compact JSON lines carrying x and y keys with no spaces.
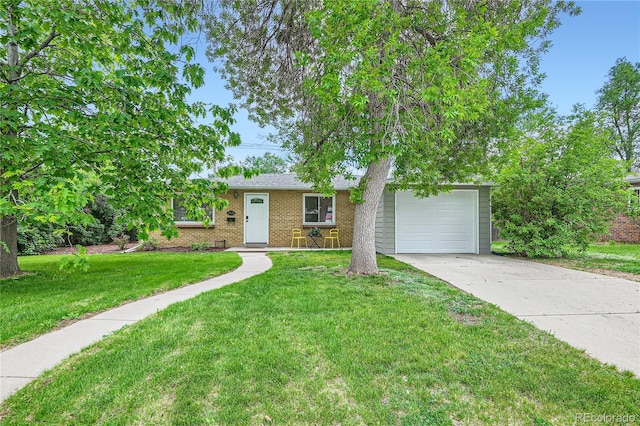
{"x":87,"y":235}
{"x":37,"y":238}
{"x":121,"y":241}
{"x":199,"y":246}
{"x":559,"y":189}
{"x":108,"y":225}
{"x":149,"y":245}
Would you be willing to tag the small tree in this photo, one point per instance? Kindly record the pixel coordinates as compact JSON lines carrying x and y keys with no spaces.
{"x":619,"y":104}
{"x":559,"y":189}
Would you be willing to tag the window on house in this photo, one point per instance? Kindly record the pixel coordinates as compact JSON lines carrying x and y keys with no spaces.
{"x":180,"y":215}
{"x":318,"y":210}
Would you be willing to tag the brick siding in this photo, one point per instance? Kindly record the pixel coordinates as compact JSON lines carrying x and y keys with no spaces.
{"x":285,"y":214}
{"x":625,"y":229}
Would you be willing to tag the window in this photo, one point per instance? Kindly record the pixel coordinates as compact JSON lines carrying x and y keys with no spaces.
{"x":180,"y":215}
{"x":318,"y":210}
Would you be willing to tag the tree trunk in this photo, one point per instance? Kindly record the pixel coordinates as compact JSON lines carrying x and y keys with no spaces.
{"x":9,"y":241}
{"x":9,"y":224}
{"x":363,"y":257}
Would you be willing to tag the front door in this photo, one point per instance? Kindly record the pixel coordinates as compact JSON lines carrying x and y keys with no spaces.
{"x":256,"y":218}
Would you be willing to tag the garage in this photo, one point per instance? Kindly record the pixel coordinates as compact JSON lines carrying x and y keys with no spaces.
{"x":446,"y":223}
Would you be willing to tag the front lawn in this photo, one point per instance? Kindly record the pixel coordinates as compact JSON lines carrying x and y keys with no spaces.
{"x":305,"y":344}
{"x":45,"y":298}
{"x":603,"y":257}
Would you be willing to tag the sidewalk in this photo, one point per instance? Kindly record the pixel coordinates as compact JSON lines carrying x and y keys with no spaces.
{"x":23,"y":363}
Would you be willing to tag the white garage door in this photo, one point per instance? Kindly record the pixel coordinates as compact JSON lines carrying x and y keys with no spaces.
{"x":446,"y":223}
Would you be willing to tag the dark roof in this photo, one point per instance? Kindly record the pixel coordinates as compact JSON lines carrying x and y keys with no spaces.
{"x":282,"y":181}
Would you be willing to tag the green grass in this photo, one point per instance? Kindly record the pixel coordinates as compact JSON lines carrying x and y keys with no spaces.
{"x":305,"y":344}
{"x":611,"y":256}
{"x":46,"y":297}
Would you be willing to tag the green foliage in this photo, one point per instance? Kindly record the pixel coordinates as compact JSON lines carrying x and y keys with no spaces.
{"x":105,"y":224}
{"x":78,"y":260}
{"x":314,"y":232}
{"x":95,"y":98}
{"x":619,"y":104}
{"x":268,"y":163}
{"x":38,"y":237}
{"x":431,"y":84}
{"x":108,"y":223}
{"x":199,"y":246}
{"x":559,"y":189}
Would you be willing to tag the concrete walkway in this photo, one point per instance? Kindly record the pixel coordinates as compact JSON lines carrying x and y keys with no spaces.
{"x":598,"y":313}
{"x":23,"y":363}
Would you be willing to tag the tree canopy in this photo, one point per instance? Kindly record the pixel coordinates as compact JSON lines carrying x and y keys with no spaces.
{"x":420,"y":88}
{"x":267,"y":163}
{"x":560,"y":189}
{"x":94,"y":95}
{"x":619,"y":103}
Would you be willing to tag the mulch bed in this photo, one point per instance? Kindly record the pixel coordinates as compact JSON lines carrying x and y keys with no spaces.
{"x":112,"y":248}
{"x":187,"y":249}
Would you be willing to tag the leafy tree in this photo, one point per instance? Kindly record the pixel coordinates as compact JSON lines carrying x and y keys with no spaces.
{"x":559,"y":189}
{"x":420,"y":88}
{"x":93,"y":95}
{"x":268,"y":163}
{"x":619,"y":103}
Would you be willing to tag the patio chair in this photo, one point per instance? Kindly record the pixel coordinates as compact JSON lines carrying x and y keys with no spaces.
{"x":333,"y":236}
{"x":296,"y":236}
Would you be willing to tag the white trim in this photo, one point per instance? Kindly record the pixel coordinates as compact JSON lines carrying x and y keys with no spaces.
{"x":476,"y":223}
{"x":333,"y":210}
{"x":244,"y":216}
{"x":191,"y":222}
{"x":395,"y":222}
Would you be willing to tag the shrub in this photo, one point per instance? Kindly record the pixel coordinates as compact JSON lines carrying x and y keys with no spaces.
{"x":559,"y":189}
{"x":37,"y":238}
{"x":121,"y":241}
{"x":199,"y":246}
{"x":149,"y":245}
{"x":108,"y":224}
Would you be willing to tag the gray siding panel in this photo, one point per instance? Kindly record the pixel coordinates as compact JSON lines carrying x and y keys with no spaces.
{"x":380,"y":225}
{"x":484,"y":219}
{"x":386,"y":223}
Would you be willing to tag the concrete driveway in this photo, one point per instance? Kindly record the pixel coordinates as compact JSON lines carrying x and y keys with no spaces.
{"x":594,"y":312}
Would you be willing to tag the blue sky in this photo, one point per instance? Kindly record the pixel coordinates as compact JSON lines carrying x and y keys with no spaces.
{"x":584,"y":48}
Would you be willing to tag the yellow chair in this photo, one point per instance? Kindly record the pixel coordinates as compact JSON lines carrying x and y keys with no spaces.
{"x":333,"y":236}
{"x":296,"y":235}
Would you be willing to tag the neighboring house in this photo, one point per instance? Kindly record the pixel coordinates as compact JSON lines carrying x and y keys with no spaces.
{"x":627,"y":229}
{"x":263,"y":210}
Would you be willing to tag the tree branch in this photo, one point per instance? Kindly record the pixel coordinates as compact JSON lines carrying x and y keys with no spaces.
{"x":45,"y":43}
